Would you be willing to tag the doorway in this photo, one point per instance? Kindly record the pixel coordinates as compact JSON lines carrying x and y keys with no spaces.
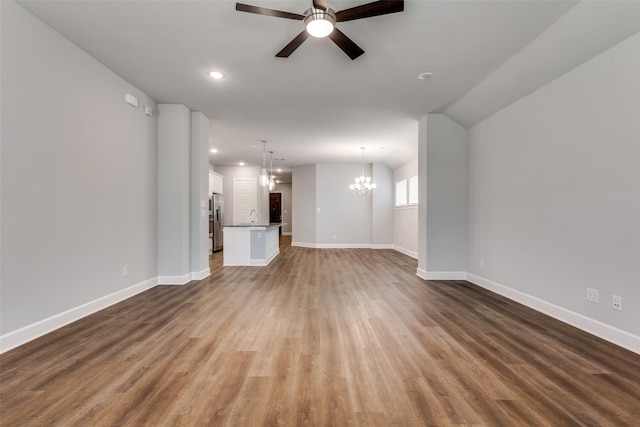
{"x":275,"y":207}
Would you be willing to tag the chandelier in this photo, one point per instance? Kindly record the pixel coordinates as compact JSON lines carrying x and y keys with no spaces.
{"x":264,"y":176}
{"x":363,"y":185}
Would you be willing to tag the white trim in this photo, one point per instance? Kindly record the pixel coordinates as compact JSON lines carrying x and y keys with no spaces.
{"x":446,"y":275}
{"x":199,"y":275}
{"x":174,"y":280}
{"x":258,"y":262}
{"x":28,"y":333}
{"x":304,"y":245}
{"x":286,"y":233}
{"x":343,"y":245}
{"x":272,"y":257}
{"x":609,"y":333}
{"x":407,"y":252}
{"x":441,"y":275}
{"x":381,"y":246}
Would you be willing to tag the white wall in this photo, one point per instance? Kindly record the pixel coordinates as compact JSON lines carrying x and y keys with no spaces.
{"x":174,"y":179}
{"x":199,"y":202}
{"x":78,"y":180}
{"x":326,"y":213}
{"x":422,"y":197}
{"x":343,"y":219}
{"x":303,"y":189}
{"x":442,"y":208}
{"x":446,"y":196}
{"x":554,"y":194}
{"x":405,"y":219}
{"x":382,"y":207}
{"x":285,"y":189}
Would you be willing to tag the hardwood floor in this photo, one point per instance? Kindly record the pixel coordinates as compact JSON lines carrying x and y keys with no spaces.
{"x":327,"y":337}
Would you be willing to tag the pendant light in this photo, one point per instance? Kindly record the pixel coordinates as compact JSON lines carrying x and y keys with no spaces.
{"x":272,"y":181}
{"x":363,"y":186}
{"x":264,"y":176}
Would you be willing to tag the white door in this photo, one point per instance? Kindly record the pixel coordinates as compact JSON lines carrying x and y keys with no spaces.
{"x":244,"y":200}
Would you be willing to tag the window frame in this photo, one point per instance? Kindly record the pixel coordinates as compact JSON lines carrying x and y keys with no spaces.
{"x":416,"y":183}
{"x":404,"y":201}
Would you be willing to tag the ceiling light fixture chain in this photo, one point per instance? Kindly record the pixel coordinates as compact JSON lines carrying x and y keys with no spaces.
{"x":364,"y":186}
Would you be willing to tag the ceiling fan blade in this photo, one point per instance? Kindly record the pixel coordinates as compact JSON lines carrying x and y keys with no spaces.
{"x":381,"y":7}
{"x":293,"y":44}
{"x":269,"y":12}
{"x":346,"y":44}
{"x":321,"y":4}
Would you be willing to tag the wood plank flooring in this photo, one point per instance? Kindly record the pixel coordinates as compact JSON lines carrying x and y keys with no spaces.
{"x":330,"y":337}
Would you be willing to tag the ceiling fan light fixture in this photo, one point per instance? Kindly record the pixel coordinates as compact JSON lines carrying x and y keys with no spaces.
{"x":319,"y":23}
{"x":216,"y":75}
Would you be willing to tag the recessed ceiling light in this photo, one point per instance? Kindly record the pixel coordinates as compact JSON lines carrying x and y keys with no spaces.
{"x":216,"y":75}
{"x":213,"y":150}
{"x":241,"y":163}
{"x":425,"y":76}
{"x":279,"y":170}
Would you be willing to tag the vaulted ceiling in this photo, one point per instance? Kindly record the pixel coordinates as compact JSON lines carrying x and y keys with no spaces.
{"x":318,"y":105}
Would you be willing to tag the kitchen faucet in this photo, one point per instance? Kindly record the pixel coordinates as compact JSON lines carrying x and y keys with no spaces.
{"x":254,"y":216}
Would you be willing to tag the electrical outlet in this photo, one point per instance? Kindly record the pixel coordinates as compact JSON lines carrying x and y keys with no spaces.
{"x":593,"y":295}
{"x":125,"y":271}
{"x":616,"y":302}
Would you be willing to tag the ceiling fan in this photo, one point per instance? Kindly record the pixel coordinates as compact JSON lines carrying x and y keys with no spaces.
{"x":320,"y":20}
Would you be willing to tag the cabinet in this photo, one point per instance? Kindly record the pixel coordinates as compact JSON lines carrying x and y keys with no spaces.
{"x":216,"y":182}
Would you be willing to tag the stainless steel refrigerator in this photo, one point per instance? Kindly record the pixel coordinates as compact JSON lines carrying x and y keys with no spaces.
{"x":217,"y":212}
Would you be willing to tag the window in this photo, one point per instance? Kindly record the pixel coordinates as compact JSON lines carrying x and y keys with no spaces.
{"x":413,"y":190}
{"x":407,"y":192}
{"x":401,"y":193}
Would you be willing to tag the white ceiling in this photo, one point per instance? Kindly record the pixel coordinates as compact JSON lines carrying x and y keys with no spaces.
{"x":318,"y":105}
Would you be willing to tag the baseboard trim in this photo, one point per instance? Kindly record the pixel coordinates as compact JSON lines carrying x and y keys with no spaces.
{"x":341,"y":245}
{"x":174,"y":280}
{"x":286,"y":233}
{"x":381,"y":246}
{"x":303,"y":245}
{"x":441,"y":275}
{"x":199,"y":275}
{"x":446,"y":275}
{"x":609,"y":333}
{"x":263,"y":262}
{"x":28,"y":333}
{"x":407,"y":252}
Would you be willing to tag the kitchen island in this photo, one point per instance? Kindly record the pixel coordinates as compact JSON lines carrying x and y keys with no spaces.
{"x":250,"y":244}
